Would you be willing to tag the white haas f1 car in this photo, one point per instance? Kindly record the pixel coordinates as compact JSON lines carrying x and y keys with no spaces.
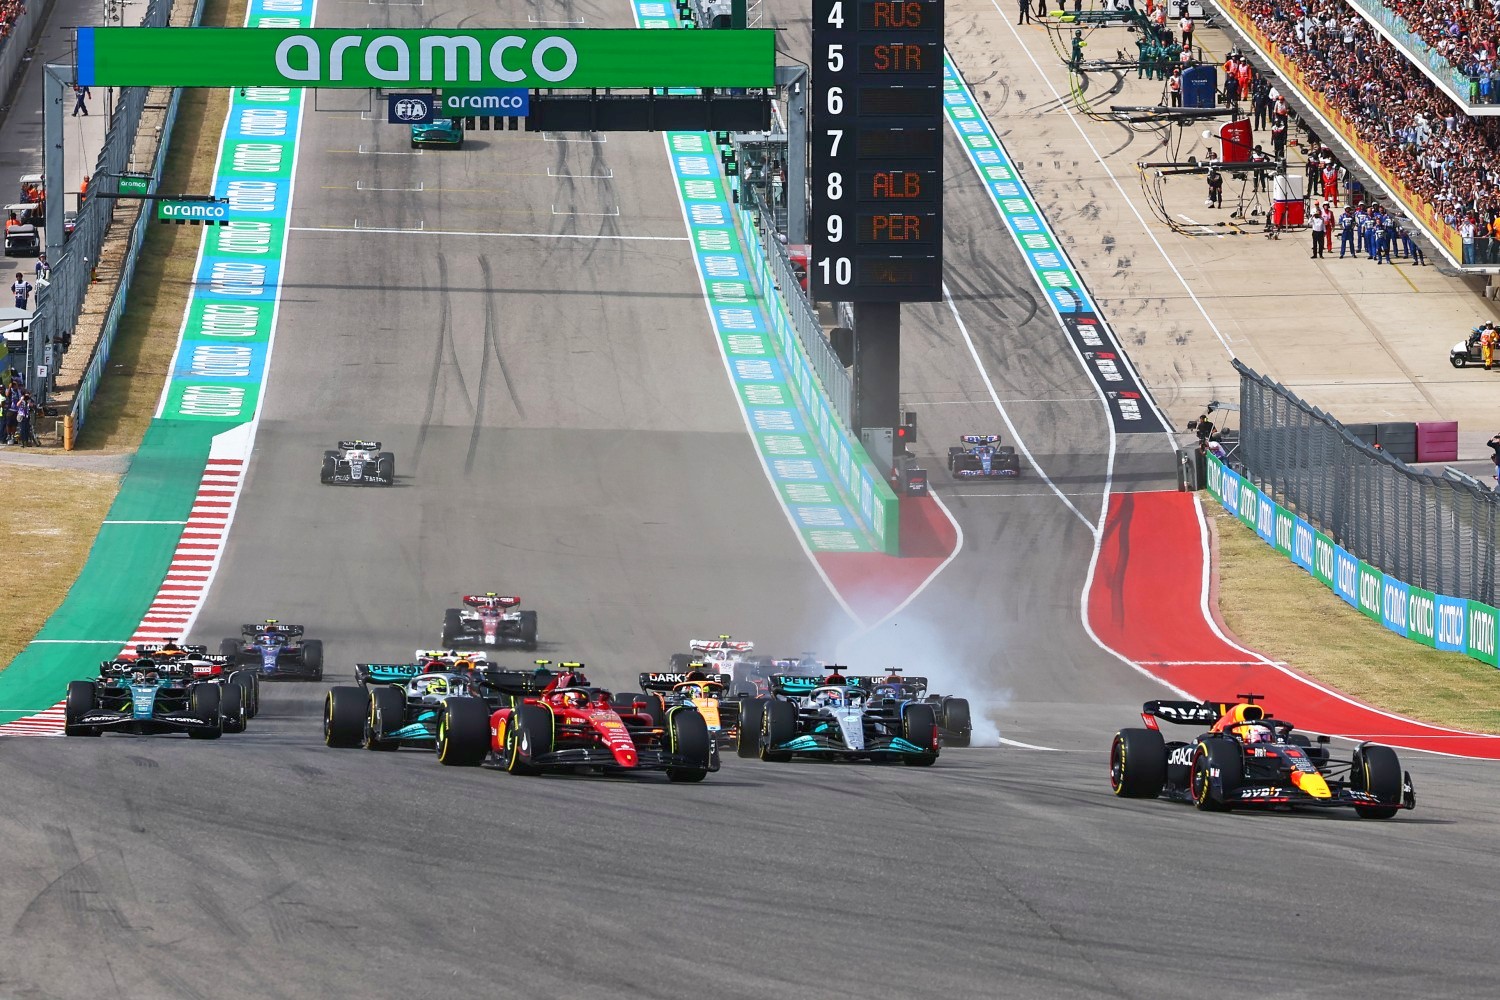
{"x":982,"y":456}
{"x":359,"y":463}
{"x":718,"y":656}
{"x":489,"y":620}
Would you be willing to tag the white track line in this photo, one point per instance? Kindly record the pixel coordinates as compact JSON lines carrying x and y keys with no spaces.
{"x":1011,"y":427}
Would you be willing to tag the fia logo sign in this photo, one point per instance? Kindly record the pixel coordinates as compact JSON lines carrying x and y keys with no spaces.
{"x":410,"y":109}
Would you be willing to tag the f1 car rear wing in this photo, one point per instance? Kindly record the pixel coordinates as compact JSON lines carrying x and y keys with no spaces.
{"x":477,"y":657}
{"x":666,"y":681}
{"x":514,"y":683}
{"x":1183,"y":713}
{"x":359,"y":446}
{"x":709,"y":645}
{"x":800,"y":685}
{"x":126,"y":667}
{"x":910,"y":681}
{"x":151,"y":648}
{"x":980,"y":439}
{"x":271,"y":625}
{"x":489,"y":601}
{"x":387,"y":673}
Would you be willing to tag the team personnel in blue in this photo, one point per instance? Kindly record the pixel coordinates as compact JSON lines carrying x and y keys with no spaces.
{"x":1346,"y":233}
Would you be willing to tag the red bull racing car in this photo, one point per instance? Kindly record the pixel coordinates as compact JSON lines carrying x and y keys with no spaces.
{"x":1247,"y":758}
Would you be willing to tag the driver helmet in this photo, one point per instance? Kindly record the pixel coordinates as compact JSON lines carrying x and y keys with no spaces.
{"x":830,"y":697}
{"x":138,"y":677}
{"x":1257,"y":733}
{"x":694,"y":691}
{"x":435,"y":685}
{"x":575,"y":699}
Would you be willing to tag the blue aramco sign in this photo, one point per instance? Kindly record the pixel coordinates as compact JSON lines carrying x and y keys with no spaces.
{"x":411,"y":109}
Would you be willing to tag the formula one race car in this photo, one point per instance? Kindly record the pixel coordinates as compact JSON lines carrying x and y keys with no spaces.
{"x":983,"y":457}
{"x":404,"y":704}
{"x":142,"y":696}
{"x":438,"y":132}
{"x":830,"y":718}
{"x":721,"y":656}
{"x":572,"y":724}
{"x":697,"y":686}
{"x":361,"y":463}
{"x":953,"y":717}
{"x":196,"y":663}
{"x":489,"y":620}
{"x":272,"y":650}
{"x":1247,"y":758}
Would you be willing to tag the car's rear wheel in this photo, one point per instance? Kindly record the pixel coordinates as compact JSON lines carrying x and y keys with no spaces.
{"x":453,"y":628}
{"x":387,"y":714}
{"x":229,"y":647}
{"x":344,"y":712}
{"x":777,"y":726}
{"x":919,"y":726}
{"x":689,"y":739}
{"x":82,"y":699}
{"x":1137,"y":763}
{"x":1377,"y":770}
{"x":312,"y":658}
{"x":527,"y":737}
{"x":330,"y":466}
{"x":956,"y":722}
{"x":747,"y":741}
{"x":528,"y":630}
{"x":249,"y":687}
{"x":1214,"y":760}
{"x":463,"y":735}
{"x":681,"y":662}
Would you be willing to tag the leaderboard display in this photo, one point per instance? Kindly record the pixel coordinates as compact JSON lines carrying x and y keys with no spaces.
{"x":877,"y":153}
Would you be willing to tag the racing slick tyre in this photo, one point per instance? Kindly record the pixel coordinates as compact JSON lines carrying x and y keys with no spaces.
{"x":681,"y":662}
{"x":463,"y":733}
{"x":956,"y":722}
{"x":528,"y":630}
{"x":1210,"y":756}
{"x":453,"y":628}
{"x":231,"y":649}
{"x":344,"y":712}
{"x":249,"y":686}
{"x":204,"y":701}
{"x":747,"y":740}
{"x":387,"y":714}
{"x":1377,"y":770}
{"x":232,"y":708}
{"x":82,"y":699}
{"x":385,"y":467}
{"x":312,"y":658}
{"x":528,"y":736}
{"x":330,"y":467}
{"x":689,"y":735}
{"x":778,"y":725}
{"x":919,"y":726}
{"x":953,"y":454}
{"x":1137,"y":763}
{"x":656,"y":709}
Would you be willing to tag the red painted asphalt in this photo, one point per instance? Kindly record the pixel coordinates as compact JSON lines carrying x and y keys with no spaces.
{"x":1148,"y":604}
{"x":873,"y":584}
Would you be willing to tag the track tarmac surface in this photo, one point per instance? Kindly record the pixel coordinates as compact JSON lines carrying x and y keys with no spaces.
{"x":563,"y":429}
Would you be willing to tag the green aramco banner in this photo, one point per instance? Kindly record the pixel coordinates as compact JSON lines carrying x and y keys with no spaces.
{"x":397,"y":58}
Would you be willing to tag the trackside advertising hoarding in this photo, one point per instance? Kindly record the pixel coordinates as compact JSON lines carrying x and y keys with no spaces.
{"x":397,"y":58}
{"x":1435,"y":620}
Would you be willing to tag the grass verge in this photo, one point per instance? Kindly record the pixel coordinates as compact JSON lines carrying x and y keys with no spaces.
{"x":1275,"y":608}
{"x":53,"y":514}
{"x":51,"y":539}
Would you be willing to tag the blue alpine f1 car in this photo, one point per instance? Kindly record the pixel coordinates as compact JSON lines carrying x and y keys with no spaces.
{"x":982,"y":456}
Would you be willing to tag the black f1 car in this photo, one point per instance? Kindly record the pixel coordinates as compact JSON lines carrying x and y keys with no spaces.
{"x":953,"y":717}
{"x":143,"y":697}
{"x":359,"y":463}
{"x":1247,"y":758}
{"x":982,"y":456}
{"x":272,"y":649}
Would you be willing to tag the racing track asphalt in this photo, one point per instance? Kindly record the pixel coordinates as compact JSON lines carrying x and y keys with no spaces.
{"x":597,"y":465}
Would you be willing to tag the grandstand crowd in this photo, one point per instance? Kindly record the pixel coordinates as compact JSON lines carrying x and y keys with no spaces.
{"x":10,"y":10}
{"x":1465,"y":32}
{"x":1444,"y":157}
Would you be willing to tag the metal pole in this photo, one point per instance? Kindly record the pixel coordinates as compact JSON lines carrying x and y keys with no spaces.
{"x":794,"y":78}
